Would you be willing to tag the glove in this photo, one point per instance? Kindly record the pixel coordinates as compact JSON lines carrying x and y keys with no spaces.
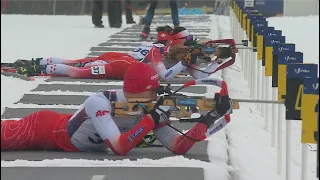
{"x":189,"y":59}
{"x":223,"y":105}
{"x":209,"y":119}
{"x":160,"y":116}
{"x":224,"y":52}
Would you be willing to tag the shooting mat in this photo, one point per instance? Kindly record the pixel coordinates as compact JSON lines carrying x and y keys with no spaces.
{"x":46,"y":95}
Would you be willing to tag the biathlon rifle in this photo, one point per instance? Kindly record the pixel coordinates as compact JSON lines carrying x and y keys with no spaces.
{"x":182,"y":106}
{"x":208,"y":48}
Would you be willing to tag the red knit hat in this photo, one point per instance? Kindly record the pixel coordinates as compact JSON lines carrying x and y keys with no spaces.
{"x":140,"y":77}
{"x":163,"y":36}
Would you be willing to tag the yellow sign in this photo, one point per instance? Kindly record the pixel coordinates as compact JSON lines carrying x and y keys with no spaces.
{"x":244,"y":21}
{"x":260,"y":46}
{"x":238,"y":12}
{"x":309,"y":117}
{"x":268,"y":60}
{"x":248,"y":27}
{"x":282,"y":81}
{"x":252,"y":34}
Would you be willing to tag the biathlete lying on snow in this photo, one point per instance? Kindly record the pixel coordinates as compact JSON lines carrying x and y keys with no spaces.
{"x":93,"y":128}
{"x":114,"y":65}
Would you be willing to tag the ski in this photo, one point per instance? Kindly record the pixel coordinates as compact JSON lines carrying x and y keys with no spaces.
{"x":16,"y":75}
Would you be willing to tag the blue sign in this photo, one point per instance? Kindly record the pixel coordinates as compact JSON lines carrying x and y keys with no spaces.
{"x":302,"y":71}
{"x":253,"y":15}
{"x":187,"y":102}
{"x":283,"y":47}
{"x":266,"y":29}
{"x":257,"y":18}
{"x":260,"y":24}
{"x":290,"y":57}
{"x":272,"y":40}
{"x":260,"y":30}
{"x":273,"y":33}
{"x":247,"y":9}
{"x":311,"y":86}
{"x":251,"y":11}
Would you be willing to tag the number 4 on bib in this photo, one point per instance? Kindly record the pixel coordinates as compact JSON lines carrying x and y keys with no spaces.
{"x":96,"y":70}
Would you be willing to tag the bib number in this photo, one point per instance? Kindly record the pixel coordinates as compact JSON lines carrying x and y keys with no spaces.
{"x":96,"y":70}
{"x":144,"y":52}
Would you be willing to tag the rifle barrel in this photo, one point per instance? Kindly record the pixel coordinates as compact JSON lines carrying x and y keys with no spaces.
{"x":258,"y":101}
{"x":245,"y":47}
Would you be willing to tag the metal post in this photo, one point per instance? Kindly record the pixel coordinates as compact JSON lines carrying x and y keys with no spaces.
{"x":281,"y":111}
{"x":54,"y":7}
{"x":263,"y":92}
{"x":252,"y":74}
{"x":304,"y":162}
{"x":266,"y":106}
{"x":259,"y":83}
{"x":288,"y":150}
{"x":274,"y":117}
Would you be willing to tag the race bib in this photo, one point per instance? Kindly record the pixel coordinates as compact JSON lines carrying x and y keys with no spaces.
{"x":141,"y":51}
{"x":96,"y":70}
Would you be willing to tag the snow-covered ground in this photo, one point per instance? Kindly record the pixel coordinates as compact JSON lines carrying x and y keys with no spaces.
{"x":244,"y":140}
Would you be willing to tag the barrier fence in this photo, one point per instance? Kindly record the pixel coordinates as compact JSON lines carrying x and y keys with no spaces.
{"x":276,"y":71}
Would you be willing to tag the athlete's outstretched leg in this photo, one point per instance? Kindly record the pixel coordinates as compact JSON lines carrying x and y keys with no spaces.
{"x":150,"y":13}
{"x":33,"y":132}
{"x":148,"y":19}
{"x":57,"y":60}
{"x":70,"y":71}
{"x":174,"y":12}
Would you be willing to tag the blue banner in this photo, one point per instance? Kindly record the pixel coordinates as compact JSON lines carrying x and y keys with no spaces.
{"x":270,"y":7}
{"x":311,"y":86}
{"x":302,"y":71}
{"x":272,"y":40}
{"x":290,"y":57}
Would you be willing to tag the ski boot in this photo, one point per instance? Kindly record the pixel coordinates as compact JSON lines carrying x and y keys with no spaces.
{"x":32,"y":68}
{"x":22,"y":62}
{"x":145,"y":32}
{"x":176,"y":24}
